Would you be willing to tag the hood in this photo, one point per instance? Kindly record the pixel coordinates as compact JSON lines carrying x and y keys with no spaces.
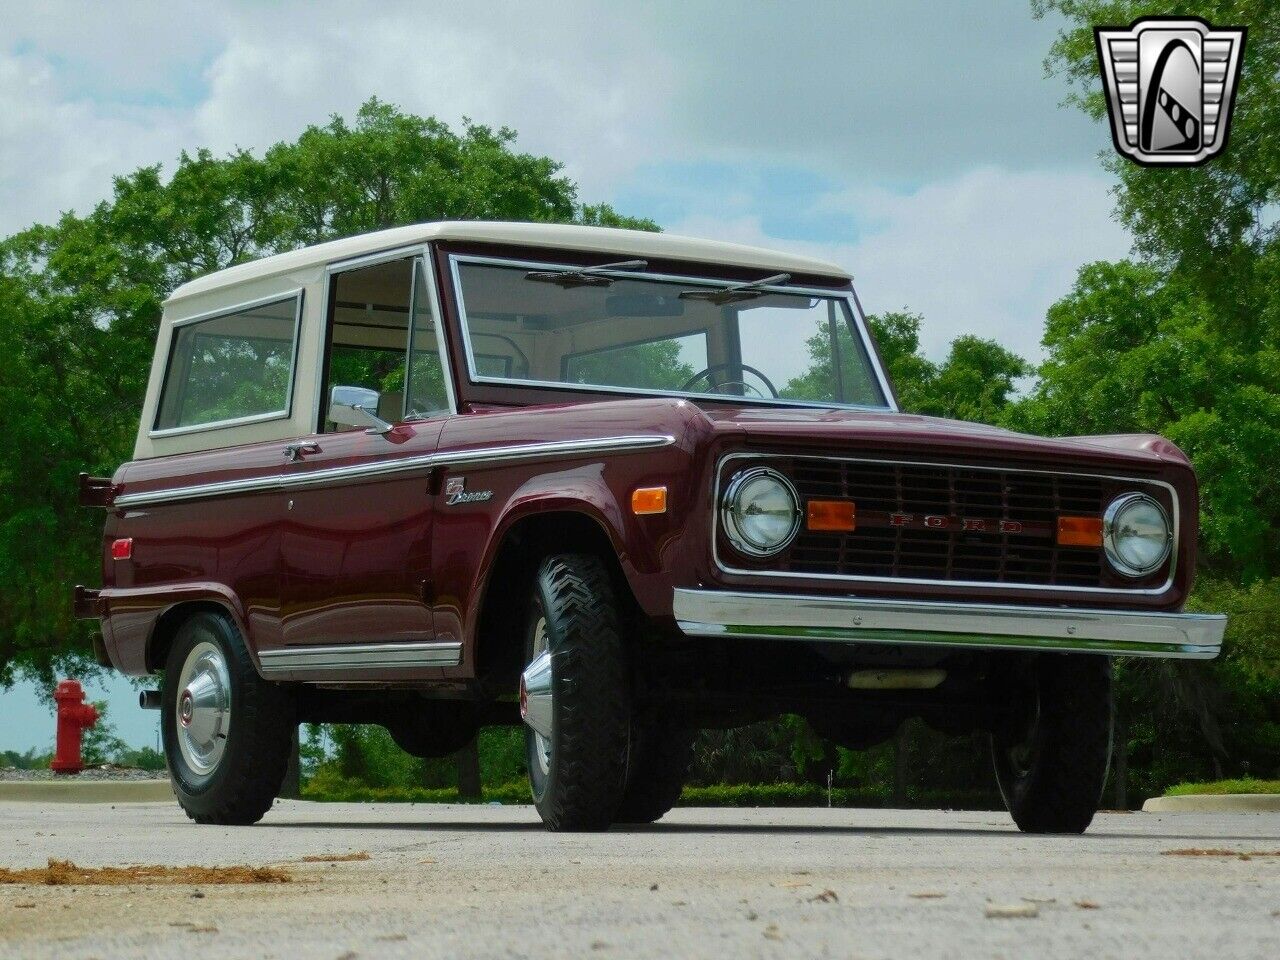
{"x":852,"y":432}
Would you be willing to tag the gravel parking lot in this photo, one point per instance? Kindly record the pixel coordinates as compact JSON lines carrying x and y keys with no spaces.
{"x":452,"y":881}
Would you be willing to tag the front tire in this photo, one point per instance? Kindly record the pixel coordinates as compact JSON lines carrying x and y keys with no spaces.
{"x":1051,"y":759}
{"x":227,"y":733}
{"x":578,"y":765}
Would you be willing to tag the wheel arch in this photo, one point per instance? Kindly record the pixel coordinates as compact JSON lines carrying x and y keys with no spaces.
{"x":523,"y":543}
{"x":175,"y":615}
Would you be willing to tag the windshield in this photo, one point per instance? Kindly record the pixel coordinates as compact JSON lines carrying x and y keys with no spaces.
{"x":590,"y":329}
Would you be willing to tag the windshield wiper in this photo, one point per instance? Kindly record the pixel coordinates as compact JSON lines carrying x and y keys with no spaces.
{"x":736,"y":293}
{"x":584,"y":276}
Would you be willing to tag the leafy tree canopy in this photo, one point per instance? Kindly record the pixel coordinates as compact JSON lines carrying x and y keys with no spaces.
{"x":80,"y":304}
{"x":1184,"y":339}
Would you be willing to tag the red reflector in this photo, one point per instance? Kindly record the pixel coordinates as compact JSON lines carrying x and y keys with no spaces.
{"x":1080,"y":531}
{"x":838,"y":515}
{"x":122,"y":549}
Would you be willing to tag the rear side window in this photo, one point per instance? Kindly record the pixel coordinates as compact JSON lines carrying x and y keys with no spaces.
{"x":231,"y":367}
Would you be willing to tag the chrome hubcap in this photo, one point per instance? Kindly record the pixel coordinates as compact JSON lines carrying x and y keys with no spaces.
{"x":537,"y":704}
{"x":203,"y":708}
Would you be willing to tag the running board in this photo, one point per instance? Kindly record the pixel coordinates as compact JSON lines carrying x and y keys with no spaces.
{"x":360,"y":656}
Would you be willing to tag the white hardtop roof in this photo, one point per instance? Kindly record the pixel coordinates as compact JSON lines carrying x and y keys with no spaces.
{"x":632,"y":243}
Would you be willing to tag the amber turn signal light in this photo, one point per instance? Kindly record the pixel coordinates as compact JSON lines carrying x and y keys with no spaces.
{"x":646,"y":500}
{"x":840,"y":515}
{"x":1080,"y":531}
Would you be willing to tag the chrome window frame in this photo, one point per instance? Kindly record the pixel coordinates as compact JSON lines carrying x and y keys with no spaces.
{"x":724,"y":567}
{"x":420,"y":251}
{"x":298,"y":295}
{"x":846,"y":296}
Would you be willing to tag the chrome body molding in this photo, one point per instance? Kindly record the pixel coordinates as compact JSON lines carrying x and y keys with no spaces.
{"x":725,"y":566}
{"x":855,"y":620}
{"x":378,"y":468}
{"x":360,"y":656}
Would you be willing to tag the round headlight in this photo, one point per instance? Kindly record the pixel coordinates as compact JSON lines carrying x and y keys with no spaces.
{"x":1136,"y":534}
{"x":760,"y":511}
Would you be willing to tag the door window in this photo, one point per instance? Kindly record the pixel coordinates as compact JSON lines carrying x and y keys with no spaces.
{"x":383,"y":336}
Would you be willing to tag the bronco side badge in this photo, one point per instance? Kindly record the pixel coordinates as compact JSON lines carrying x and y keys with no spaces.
{"x":455,"y":492}
{"x":1170,"y":84}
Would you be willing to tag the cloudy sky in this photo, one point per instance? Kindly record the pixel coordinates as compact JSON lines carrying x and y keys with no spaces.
{"x":917,"y":144}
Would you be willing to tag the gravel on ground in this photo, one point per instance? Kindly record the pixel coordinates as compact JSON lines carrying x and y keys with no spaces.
{"x":371,"y":881}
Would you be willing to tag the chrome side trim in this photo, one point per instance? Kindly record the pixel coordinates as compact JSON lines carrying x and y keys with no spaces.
{"x":987,"y":626}
{"x":846,"y":296}
{"x":362,"y":656}
{"x":483,"y":456}
{"x":298,"y":295}
{"x":976,"y":584}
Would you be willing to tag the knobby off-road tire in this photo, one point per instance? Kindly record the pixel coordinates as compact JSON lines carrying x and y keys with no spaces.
{"x":577,"y":777}
{"x":234,"y":775}
{"x":1051,"y":763}
{"x":657,"y":766}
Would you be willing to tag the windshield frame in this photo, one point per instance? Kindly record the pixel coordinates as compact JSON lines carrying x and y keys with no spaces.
{"x":847,"y":296}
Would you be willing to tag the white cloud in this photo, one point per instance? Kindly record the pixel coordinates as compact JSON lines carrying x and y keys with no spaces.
{"x":994,"y":218}
{"x":985,"y":252}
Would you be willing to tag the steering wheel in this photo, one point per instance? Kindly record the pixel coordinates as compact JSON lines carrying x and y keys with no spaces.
{"x":706,"y":374}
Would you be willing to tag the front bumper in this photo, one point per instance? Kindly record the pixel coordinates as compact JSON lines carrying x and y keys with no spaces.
{"x":985,"y":626}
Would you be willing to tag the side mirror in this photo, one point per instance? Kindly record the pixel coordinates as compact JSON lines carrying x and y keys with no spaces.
{"x":356,"y":407}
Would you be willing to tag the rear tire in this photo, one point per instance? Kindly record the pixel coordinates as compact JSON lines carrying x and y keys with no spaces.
{"x":1051,"y":760}
{"x":577,"y":775}
{"x":227,"y":733}
{"x":657,"y":766}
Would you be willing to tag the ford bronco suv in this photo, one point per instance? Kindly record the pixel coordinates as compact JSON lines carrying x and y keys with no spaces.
{"x":617,"y":486}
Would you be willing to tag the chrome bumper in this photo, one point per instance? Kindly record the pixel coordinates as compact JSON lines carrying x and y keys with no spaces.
{"x":777,"y":616}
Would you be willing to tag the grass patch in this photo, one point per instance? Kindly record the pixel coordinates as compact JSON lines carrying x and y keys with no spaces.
{"x":1247,"y":785}
{"x":330,"y":789}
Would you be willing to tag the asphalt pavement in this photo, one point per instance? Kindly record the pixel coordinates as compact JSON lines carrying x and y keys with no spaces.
{"x":460,"y":881}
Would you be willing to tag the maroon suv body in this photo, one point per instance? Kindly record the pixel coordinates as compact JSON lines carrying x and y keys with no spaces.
{"x":622,"y":486}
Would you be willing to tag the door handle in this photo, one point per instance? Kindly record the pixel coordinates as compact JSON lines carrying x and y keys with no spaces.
{"x":294,"y":451}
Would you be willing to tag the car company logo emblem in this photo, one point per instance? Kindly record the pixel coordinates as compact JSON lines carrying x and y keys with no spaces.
{"x":455,"y":492}
{"x":943,"y":522}
{"x":1170,"y":85}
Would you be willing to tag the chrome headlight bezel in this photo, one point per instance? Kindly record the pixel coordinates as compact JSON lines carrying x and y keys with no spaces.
{"x":732,"y":523}
{"x":1112,"y":534}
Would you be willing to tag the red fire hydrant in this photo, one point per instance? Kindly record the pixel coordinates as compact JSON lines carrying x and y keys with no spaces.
{"x":74,"y":717}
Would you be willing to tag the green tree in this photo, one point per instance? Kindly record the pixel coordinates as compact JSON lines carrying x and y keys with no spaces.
{"x":1185,"y":340}
{"x":80,"y":304}
{"x":975,"y":382}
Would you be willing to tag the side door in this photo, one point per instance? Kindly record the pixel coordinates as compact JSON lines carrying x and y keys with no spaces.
{"x":358,"y":513}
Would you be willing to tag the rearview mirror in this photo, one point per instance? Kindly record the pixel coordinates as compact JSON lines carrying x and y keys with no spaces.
{"x":356,"y":407}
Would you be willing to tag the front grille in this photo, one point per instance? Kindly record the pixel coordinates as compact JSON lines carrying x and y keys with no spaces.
{"x":948,"y":523}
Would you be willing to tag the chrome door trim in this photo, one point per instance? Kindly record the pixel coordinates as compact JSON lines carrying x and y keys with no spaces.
{"x":847,"y":296}
{"x":361,"y":656}
{"x":482,"y":456}
{"x":915,"y":581}
{"x":857,"y":620}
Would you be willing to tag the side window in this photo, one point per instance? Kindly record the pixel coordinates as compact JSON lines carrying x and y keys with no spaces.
{"x":380,"y":318}
{"x":230,"y":367}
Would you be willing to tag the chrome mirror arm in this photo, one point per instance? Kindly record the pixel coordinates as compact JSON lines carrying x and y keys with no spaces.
{"x":379,"y":426}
